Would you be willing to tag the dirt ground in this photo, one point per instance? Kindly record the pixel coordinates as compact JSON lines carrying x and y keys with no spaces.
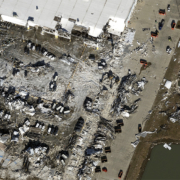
{"x":166,"y":130}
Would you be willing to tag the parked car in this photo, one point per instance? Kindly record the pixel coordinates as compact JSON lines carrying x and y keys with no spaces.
{"x":161,"y":24}
{"x":120,"y":174}
{"x":79,"y":125}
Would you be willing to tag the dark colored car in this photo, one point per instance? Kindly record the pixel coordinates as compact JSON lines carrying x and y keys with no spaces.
{"x":139,"y":128}
{"x":92,"y":57}
{"x":120,"y":174}
{"x":56,"y":130}
{"x":161,"y":24}
{"x":79,"y":125}
{"x":52,"y":129}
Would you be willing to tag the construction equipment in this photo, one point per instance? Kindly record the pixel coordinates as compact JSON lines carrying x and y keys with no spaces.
{"x":103,"y":159}
{"x":117,"y":129}
{"x":98,"y":169}
{"x":107,"y":149}
{"x":111,"y":76}
{"x":143,"y":62}
{"x":154,"y":34}
{"x":120,"y":122}
{"x":162,"y":12}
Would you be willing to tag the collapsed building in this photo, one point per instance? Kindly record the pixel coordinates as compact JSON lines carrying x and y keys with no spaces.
{"x":62,"y":18}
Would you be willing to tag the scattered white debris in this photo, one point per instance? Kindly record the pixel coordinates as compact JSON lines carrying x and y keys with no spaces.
{"x":4,"y":138}
{"x":130,"y":36}
{"x":23,"y":94}
{"x":141,"y":84}
{"x":16,"y":133}
{"x":167,"y":146}
{"x":1,"y":82}
{"x":30,"y":151}
{"x":144,"y":133}
{"x":135,"y":143}
{"x":95,"y":163}
{"x":125,"y":114}
{"x":150,"y":112}
{"x":29,"y":110}
{"x":173,"y":120}
{"x":34,"y":70}
{"x":179,"y":44}
{"x":16,"y":105}
{"x":23,"y":129}
{"x":168,"y":84}
{"x":43,"y":109}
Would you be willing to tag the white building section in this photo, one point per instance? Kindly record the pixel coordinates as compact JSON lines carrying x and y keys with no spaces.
{"x":91,"y":14}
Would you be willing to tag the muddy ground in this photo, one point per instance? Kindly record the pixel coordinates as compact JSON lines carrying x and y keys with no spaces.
{"x":159,"y":119}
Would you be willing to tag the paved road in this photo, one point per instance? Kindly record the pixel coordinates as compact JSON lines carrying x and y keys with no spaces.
{"x":143,"y":17}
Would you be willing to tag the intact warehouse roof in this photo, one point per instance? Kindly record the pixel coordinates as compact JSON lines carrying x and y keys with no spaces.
{"x":93,"y":14}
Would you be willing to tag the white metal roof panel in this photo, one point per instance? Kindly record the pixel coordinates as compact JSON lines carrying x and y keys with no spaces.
{"x":90,"y":13}
{"x":13,"y":20}
{"x":80,"y":10}
{"x":46,"y":18}
{"x":24,"y":8}
{"x":52,"y":5}
{"x":66,"y":8}
{"x":67,"y":25}
{"x":25,"y":1}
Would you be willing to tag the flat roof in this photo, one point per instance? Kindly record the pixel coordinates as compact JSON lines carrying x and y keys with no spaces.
{"x":93,"y":14}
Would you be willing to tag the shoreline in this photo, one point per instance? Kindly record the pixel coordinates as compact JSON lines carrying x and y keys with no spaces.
{"x":144,"y":148}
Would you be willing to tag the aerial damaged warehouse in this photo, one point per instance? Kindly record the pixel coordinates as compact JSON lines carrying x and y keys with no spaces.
{"x":74,"y":80}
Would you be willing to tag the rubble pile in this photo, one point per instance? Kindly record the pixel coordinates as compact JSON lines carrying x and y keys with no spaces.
{"x":5,"y":24}
{"x":90,"y":105}
{"x":38,"y":66}
{"x":7,"y":42}
{"x":62,"y":157}
{"x":52,"y":129}
{"x":128,"y":85}
{"x":102,"y":64}
{"x":18,"y":101}
{"x":52,"y":84}
{"x":67,"y":59}
{"x":47,"y":97}
{"x":60,"y":108}
{"x":93,"y":152}
{"x":68,"y":95}
{"x":32,"y":47}
{"x":79,"y":144}
{"x":37,"y":153}
{"x":175,"y":117}
{"x":141,"y":49}
{"x":109,"y":78}
{"x":125,"y":39}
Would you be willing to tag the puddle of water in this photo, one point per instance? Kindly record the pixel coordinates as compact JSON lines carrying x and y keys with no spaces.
{"x":163,"y":164}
